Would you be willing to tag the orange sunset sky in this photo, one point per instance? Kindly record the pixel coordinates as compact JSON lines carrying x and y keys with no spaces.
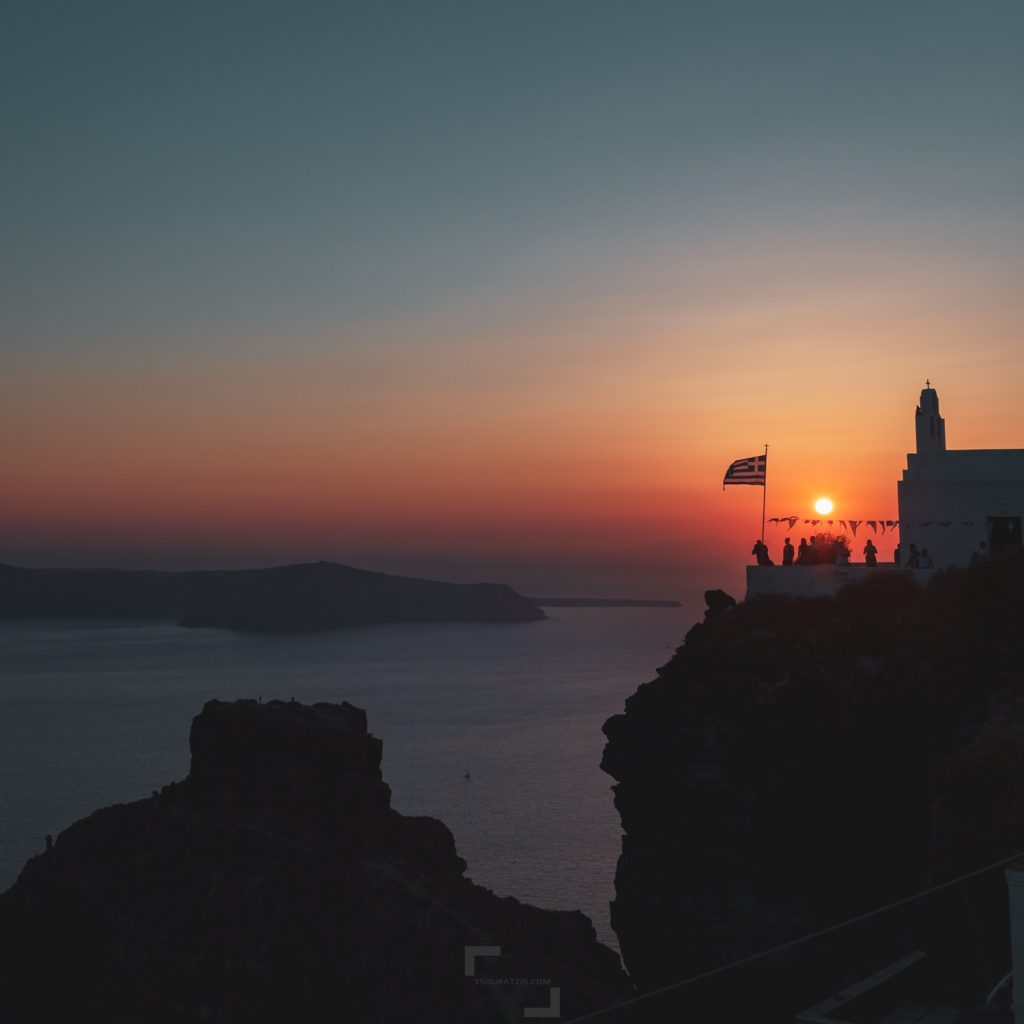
{"x":510,"y":319}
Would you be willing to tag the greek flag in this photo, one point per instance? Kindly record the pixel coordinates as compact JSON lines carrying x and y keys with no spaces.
{"x":747,"y":471}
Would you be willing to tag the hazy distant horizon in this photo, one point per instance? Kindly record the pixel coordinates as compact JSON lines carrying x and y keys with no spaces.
{"x":662,"y":572}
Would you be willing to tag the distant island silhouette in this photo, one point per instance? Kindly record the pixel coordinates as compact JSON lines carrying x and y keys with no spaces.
{"x":318,"y":595}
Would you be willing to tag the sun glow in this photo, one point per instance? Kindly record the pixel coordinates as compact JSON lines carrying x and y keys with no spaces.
{"x":823,"y":506}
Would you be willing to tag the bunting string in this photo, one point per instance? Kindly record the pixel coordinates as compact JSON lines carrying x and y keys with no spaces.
{"x":878,"y":526}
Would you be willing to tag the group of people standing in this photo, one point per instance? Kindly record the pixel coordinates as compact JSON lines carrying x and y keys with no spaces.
{"x":813,"y":554}
{"x":839,"y":554}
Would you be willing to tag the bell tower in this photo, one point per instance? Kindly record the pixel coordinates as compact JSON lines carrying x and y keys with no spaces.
{"x":931,"y":427}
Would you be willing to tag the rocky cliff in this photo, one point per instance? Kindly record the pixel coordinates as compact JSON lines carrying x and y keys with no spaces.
{"x":320,"y":595}
{"x":799,"y":762}
{"x":276,"y":883}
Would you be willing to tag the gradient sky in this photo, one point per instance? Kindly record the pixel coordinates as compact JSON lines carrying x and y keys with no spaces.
{"x":495,"y":290}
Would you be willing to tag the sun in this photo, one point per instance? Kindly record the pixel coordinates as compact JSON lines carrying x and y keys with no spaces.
{"x":823,"y":506}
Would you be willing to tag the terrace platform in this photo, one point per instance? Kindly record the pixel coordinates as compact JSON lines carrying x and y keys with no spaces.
{"x":819,"y":580}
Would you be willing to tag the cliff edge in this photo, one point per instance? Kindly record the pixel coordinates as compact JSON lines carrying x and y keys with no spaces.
{"x":800,"y":762}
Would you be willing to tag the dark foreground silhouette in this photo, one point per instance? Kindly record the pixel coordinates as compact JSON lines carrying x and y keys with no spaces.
{"x":319,"y":595}
{"x":276,"y":883}
{"x":799,"y":762}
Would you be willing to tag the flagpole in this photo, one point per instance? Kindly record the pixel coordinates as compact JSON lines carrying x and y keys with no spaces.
{"x":764,"y":493}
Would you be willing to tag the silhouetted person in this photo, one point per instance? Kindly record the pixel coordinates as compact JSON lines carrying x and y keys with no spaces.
{"x":760,"y":552}
{"x":981,"y":553}
{"x":788,"y":552}
{"x":870,"y":553}
{"x":925,"y":560}
{"x":896,"y":554}
{"x":813,"y":552}
{"x":802,"y":555}
{"x":914,"y":558}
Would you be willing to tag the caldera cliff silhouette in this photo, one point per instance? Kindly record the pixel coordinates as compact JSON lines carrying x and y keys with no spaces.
{"x":800,"y":762}
{"x":315,"y":595}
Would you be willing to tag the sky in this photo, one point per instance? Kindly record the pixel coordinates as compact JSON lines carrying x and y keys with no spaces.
{"x":495,"y":290}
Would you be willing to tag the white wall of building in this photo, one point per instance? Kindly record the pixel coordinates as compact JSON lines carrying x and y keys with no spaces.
{"x":964,"y":489}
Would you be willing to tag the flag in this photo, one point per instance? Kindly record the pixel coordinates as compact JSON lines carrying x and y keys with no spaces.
{"x":747,"y":471}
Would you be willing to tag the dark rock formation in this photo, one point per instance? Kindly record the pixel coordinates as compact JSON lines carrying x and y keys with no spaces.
{"x":276,"y":883}
{"x":799,"y":762}
{"x":321,"y":595}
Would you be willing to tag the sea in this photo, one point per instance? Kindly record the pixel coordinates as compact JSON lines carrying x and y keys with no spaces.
{"x":494,"y":729}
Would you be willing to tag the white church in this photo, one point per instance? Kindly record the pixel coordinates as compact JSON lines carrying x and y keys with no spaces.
{"x":952,"y":500}
{"x":952,"y":503}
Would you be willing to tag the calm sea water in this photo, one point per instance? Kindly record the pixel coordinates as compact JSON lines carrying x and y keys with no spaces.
{"x":98,"y":712}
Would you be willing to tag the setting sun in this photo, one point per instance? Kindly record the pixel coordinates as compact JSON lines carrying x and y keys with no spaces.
{"x":823,"y":506}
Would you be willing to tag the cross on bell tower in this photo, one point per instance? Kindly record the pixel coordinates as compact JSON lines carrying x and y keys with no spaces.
{"x":931,"y":427}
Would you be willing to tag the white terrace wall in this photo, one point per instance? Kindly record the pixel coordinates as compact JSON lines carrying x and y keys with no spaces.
{"x":817,"y":580}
